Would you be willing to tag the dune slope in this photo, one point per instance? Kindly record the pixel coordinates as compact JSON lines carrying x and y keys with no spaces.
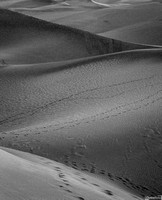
{"x":40,"y":178}
{"x":89,"y":103}
{"x":25,"y":40}
{"x":100,"y":115}
{"x":144,"y":33}
{"x":96,"y":19}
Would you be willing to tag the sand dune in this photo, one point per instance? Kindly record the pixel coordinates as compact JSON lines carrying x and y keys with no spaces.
{"x":27,"y":40}
{"x":22,"y":4}
{"x":110,"y":3}
{"x":144,"y":33}
{"x":25,"y":3}
{"x":40,"y":178}
{"x":90,"y":17}
{"x":100,"y":115}
{"x":89,"y":103}
{"x":101,"y":20}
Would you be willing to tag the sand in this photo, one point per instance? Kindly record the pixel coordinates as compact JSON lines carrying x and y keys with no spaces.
{"x":26,"y":40}
{"x":143,"y":33}
{"x":88,"y":105}
{"x":104,"y":119}
{"x":91,"y":17}
{"x":40,"y":178}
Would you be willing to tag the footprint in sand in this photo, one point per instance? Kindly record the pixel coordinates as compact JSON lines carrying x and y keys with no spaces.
{"x":108,"y":192}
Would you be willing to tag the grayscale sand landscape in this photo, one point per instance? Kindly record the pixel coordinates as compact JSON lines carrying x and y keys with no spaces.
{"x":80,"y":99}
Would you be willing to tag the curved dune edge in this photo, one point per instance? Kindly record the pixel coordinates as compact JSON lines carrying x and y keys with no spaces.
{"x":98,"y":115}
{"x":48,"y":67}
{"x":41,"y":178}
{"x":144,"y":33}
{"x":27,"y":40}
{"x":119,"y":3}
{"x":97,"y":19}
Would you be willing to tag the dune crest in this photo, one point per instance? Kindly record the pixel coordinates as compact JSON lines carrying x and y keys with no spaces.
{"x":27,"y":40}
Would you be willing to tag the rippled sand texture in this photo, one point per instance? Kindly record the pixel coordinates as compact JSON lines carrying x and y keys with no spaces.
{"x":90,"y":106}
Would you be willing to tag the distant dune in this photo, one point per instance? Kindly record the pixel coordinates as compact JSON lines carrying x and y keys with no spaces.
{"x":25,"y":40}
{"x":90,"y":17}
{"x":112,"y":3}
{"x":144,"y":33}
{"x":107,"y":19}
{"x":25,"y":3}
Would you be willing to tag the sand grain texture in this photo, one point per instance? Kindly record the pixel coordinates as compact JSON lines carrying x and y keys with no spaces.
{"x":113,"y":125}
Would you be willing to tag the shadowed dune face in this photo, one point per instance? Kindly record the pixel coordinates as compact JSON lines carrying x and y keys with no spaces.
{"x":101,"y":115}
{"x":25,"y":40}
{"x":88,"y":16}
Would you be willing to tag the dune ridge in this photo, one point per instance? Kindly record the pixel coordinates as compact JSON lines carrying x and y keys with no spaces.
{"x":97,"y":19}
{"x":23,"y":40}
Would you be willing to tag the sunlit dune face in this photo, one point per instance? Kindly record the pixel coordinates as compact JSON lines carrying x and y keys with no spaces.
{"x":123,"y":1}
{"x":35,"y":3}
{"x":65,"y":3}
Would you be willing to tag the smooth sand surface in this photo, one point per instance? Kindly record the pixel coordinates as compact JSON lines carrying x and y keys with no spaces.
{"x":90,"y":104}
{"x":146,"y":33}
{"x":107,"y":19}
{"x":39,"y":178}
